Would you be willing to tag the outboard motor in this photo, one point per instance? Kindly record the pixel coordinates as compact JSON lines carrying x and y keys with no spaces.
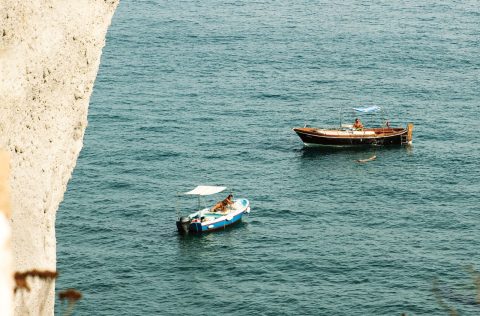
{"x":182,"y":224}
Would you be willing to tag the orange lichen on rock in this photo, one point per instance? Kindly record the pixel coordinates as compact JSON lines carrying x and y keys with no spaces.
{"x":21,"y":278}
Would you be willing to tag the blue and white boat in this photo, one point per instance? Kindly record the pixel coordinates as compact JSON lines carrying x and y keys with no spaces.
{"x":219,"y":216}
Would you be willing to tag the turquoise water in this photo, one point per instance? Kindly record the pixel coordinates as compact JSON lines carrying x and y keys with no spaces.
{"x":206,"y":92}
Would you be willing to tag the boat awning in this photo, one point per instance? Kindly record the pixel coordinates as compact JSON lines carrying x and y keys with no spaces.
{"x":206,"y":190}
{"x":369,"y":109}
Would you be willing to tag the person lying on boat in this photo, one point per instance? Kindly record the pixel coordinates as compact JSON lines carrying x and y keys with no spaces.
{"x":223,"y":205}
{"x":357,"y":125}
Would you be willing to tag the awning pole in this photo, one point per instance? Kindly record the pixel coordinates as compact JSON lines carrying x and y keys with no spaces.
{"x":177,"y":210}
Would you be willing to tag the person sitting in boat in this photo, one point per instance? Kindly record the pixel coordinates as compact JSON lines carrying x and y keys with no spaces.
{"x":218,"y":207}
{"x":229,"y":200}
{"x":223,"y":205}
{"x":357,"y":125}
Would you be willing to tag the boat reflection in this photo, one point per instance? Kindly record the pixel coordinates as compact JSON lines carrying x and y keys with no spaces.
{"x":327,"y":151}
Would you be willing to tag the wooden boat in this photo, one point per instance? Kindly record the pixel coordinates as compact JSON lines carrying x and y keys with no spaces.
{"x":345,"y":137}
{"x":348,"y":136}
{"x":212,"y":218}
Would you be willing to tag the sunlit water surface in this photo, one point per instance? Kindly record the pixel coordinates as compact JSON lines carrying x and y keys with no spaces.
{"x":206,"y":92}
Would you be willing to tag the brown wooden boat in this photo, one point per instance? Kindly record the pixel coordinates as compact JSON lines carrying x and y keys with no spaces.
{"x":349,"y":137}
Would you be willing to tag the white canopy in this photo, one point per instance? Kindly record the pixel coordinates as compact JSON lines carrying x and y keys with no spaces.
{"x":368,"y":109}
{"x":206,"y":190}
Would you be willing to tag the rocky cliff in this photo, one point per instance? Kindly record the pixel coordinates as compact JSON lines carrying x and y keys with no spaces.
{"x":49,"y":57}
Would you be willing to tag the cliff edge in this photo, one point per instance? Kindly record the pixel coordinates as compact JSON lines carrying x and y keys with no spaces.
{"x":49,"y":57}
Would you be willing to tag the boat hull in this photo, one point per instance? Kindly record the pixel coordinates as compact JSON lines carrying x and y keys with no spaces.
{"x":312,"y":137}
{"x":202,"y":228}
{"x":196,"y":225}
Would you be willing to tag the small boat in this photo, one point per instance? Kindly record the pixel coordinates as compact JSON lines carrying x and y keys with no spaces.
{"x":348,"y":136}
{"x":219,"y":216}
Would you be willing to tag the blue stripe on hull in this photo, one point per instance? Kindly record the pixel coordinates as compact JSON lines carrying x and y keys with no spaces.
{"x":195,"y":228}
{"x":199,"y":228}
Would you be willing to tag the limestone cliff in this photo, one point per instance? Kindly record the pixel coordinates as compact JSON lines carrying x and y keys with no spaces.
{"x":6,"y":269}
{"x":49,"y":57}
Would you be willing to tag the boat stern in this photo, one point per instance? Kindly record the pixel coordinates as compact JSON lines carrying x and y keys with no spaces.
{"x":196,"y":227}
{"x":409,"y":133}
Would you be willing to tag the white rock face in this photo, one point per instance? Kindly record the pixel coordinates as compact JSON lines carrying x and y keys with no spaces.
{"x":6,"y":269}
{"x":49,"y":57}
{"x":6,"y":280}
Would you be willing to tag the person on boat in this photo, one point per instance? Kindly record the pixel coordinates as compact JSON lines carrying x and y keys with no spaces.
{"x":357,"y":124}
{"x":229,"y":200}
{"x":223,"y":205}
{"x":218,"y":207}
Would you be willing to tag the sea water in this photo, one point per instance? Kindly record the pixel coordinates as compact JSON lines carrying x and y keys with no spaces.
{"x":206,"y":92}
